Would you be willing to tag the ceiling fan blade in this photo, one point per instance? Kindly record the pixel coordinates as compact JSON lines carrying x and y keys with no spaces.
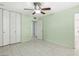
{"x":33,"y":13}
{"x":46,"y":9}
{"x":42,"y":12}
{"x":28,"y":9}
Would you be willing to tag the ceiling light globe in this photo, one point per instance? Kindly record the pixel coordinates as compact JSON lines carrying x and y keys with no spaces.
{"x":37,"y":11}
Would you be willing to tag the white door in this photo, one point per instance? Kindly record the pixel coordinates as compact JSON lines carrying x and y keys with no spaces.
{"x":12,"y":27}
{"x":0,"y":27}
{"x":18,"y":27}
{"x":39,"y":29}
{"x":34,"y":30}
{"x":5,"y":27}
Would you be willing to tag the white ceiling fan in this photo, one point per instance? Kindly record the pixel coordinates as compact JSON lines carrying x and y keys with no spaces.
{"x":37,"y":8}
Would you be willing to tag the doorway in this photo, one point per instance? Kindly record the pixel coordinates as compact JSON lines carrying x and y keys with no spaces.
{"x":37,"y":29}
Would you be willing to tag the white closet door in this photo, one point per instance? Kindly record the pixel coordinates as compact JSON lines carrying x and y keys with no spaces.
{"x":5,"y":27}
{"x":0,"y":27}
{"x":18,"y":27}
{"x":77,"y":31}
{"x":12,"y":27}
{"x":39,"y":29}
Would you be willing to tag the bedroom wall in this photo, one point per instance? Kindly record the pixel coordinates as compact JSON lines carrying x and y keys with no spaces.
{"x":26,"y":28}
{"x":59,"y":28}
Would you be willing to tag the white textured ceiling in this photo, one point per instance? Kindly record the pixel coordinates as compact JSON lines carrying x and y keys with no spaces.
{"x":19,"y":6}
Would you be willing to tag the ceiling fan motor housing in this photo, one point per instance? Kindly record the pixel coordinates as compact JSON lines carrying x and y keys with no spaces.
{"x":37,"y":5}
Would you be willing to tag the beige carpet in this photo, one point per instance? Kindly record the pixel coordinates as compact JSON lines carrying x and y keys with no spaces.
{"x":35,"y":48}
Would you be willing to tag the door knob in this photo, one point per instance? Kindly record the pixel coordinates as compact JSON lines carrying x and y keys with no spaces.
{"x":15,"y":31}
{"x":78,"y":31}
{"x":3,"y":32}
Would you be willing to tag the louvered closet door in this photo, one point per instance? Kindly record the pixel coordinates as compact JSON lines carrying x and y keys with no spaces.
{"x":0,"y":27}
{"x":5,"y":27}
{"x":12,"y":27}
{"x":18,"y":27}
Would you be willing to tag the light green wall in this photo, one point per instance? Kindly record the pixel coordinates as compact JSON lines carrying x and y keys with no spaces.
{"x":59,"y":28}
{"x":26,"y":28}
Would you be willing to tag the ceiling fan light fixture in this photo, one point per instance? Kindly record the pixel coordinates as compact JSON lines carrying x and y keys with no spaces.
{"x":37,"y":11}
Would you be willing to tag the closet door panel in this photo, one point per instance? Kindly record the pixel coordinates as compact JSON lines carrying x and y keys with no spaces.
{"x":0,"y":27}
{"x":39,"y":29}
{"x":18,"y":27}
{"x":12,"y":27}
{"x":5,"y":27}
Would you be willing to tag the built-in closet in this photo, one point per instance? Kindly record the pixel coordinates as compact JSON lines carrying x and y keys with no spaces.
{"x":10,"y":27}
